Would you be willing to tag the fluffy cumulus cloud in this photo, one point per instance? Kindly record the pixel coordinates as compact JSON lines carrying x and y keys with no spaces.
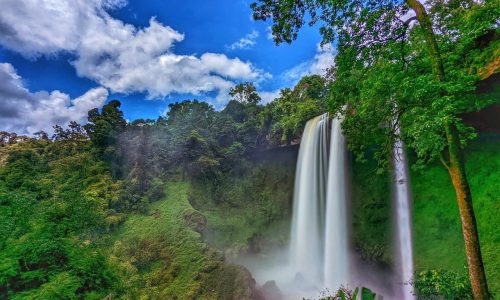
{"x":323,"y":59}
{"x":117,"y":55}
{"x":245,"y":42}
{"x":27,"y":112}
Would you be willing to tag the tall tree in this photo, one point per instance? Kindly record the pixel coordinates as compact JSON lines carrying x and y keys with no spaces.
{"x":245,"y":93}
{"x":104,"y":128}
{"x":376,"y":41}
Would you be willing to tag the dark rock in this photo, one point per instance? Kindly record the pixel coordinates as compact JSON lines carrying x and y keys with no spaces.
{"x":270,"y":291}
{"x":195,"y":220}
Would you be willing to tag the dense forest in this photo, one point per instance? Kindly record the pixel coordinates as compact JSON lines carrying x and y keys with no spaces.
{"x":164,"y":208}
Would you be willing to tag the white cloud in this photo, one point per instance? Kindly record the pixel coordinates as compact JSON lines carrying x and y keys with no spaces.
{"x":126,"y":60}
{"x":245,"y":42}
{"x":118,"y":56}
{"x":26,"y":112}
{"x":323,"y":59}
{"x":269,"y":96}
{"x":41,"y":27}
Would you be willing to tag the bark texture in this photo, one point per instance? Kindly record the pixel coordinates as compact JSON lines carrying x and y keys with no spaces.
{"x":456,"y":168}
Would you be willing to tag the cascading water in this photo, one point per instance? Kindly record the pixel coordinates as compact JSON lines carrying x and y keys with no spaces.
{"x":306,"y":251}
{"x":337,"y":258}
{"x":319,"y":257}
{"x":319,"y":237}
{"x":402,"y":211}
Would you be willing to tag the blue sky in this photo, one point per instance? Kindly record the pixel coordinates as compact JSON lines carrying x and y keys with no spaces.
{"x":70,"y":55}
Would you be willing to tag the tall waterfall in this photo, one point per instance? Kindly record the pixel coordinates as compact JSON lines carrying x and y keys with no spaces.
{"x":319,"y":237}
{"x":336,"y":234}
{"x":319,"y":256}
{"x":402,"y":211}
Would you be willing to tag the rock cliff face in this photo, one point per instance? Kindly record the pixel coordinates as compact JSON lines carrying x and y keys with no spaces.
{"x":486,"y":120}
{"x":283,"y":154}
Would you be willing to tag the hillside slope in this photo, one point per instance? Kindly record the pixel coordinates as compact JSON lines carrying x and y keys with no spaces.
{"x":161,"y":256}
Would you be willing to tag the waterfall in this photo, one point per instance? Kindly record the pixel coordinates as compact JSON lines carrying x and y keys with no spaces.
{"x":336,"y":234}
{"x":309,"y":194}
{"x":319,"y":238}
{"x":319,"y":258}
{"x":402,"y":211}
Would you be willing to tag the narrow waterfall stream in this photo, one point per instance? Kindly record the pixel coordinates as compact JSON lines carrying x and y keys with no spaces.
{"x":402,"y":217}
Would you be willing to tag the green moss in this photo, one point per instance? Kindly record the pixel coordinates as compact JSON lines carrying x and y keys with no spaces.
{"x":438,"y":237}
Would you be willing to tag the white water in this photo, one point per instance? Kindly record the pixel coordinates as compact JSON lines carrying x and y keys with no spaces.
{"x":306,"y":250}
{"x":319,"y":257}
{"x":337,"y":258}
{"x":402,"y":211}
{"x":319,"y":253}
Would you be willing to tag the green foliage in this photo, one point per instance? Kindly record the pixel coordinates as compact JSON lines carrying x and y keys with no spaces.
{"x":384,"y":72}
{"x":103,"y":128}
{"x":85,"y":214}
{"x":434,"y":284}
{"x":54,"y":197}
{"x":347,"y":294}
{"x":372,"y":20}
{"x":243,"y":221}
{"x":245,"y":93}
{"x":287,"y":115}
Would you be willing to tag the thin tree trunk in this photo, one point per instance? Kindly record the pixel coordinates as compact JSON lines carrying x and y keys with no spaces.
{"x":456,"y":168}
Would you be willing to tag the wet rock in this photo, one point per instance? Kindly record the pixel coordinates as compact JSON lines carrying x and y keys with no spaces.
{"x":270,"y":291}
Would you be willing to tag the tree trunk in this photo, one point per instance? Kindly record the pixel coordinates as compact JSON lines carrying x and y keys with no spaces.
{"x":458,"y":176}
{"x":456,"y":168}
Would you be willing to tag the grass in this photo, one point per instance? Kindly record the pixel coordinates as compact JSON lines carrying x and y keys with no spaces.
{"x":438,"y":240}
{"x":186,"y":255}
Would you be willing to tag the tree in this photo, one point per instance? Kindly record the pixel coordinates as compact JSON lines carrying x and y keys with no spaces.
{"x":245,"y":93}
{"x":104,"y":129}
{"x":288,"y":114}
{"x":377,"y":42}
{"x":52,"y":203}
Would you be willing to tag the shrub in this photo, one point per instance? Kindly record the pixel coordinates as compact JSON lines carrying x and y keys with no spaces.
{"x":441,"y":284}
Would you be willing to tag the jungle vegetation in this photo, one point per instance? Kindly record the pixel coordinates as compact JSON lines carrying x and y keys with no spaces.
{"x":149,"y":209}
